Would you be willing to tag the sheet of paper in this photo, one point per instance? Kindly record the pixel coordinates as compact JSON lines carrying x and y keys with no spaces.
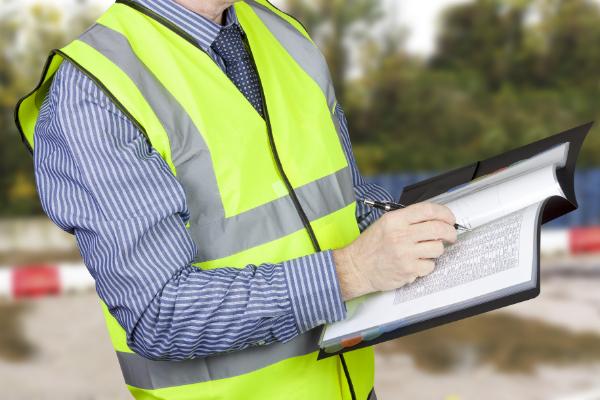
{"x":555,"y":157}
{"x":483,"y":261}
{"x":488,"y":250}
{"x":513,"y":188}
{"x":489,"y":203}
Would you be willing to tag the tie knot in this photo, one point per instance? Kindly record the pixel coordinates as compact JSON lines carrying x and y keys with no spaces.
{"x":229,"y":45}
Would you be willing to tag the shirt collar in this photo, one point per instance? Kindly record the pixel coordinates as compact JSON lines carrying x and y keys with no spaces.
{"x":200,"y":28}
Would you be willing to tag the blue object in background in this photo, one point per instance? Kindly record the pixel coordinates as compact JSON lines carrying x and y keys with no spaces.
{"x":587,"y":188}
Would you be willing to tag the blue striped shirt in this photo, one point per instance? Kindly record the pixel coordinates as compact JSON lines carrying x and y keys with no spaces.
{"x":99,"y":179}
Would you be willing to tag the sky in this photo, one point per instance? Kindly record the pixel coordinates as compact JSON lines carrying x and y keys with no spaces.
{"x":419,"y":16}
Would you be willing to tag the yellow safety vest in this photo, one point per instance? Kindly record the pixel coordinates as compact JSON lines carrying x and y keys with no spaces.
{"x":258,"y":190}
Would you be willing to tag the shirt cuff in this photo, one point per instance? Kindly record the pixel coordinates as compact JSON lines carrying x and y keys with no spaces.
{"x":314,"y":289}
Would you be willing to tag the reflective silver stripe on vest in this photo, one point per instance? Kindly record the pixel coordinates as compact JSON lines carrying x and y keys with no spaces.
{"x":216,"y":236}
{"x":254,"y":227}
{"x":148,"y":374}
{"x":306,"y":54}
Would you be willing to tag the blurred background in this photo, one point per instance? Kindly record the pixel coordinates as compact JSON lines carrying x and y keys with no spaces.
{"x":426,"y":86}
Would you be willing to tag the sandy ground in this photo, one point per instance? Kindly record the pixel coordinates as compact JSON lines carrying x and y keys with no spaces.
{"x":75,"y":361}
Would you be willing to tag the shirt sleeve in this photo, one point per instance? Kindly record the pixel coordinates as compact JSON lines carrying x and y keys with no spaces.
{"x":99,"y":179}
{"x":365,"y":215}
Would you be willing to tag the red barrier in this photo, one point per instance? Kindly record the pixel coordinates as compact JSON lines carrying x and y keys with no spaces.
{"x":584,"y":240}
{"x":35,"y":281}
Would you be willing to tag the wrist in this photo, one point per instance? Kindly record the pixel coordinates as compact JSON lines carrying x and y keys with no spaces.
{"x":352,"y":283}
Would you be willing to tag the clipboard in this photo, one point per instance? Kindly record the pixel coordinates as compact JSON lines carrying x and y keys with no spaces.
{"x":552,"y":207}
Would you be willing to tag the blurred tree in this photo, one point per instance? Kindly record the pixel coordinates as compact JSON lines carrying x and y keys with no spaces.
{"x":571,"y":29}
{"x":537,"y":43}
{"x":487,"y":36}
{"x":504,"y":73}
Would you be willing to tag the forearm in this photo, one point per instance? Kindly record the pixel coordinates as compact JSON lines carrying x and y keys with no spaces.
{"x":203,"y":312}
{"x":198,"y":313}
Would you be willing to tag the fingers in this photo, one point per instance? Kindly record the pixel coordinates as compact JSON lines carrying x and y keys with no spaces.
{"x":430,"y":249}
{"x":425,"y":267}
{"x":422,"y":268}
{"x":422,"y":212}
{"x":433,"y":230}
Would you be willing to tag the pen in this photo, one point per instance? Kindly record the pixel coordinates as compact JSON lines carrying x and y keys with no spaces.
{"x":389,"y":206}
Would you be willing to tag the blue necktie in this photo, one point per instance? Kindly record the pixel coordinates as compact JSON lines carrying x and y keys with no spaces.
{"x":229,"y":45}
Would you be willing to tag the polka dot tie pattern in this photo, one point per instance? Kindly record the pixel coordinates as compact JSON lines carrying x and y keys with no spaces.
{"x":229,"y":45}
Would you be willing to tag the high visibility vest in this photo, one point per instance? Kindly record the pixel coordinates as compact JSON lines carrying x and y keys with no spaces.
{"x":258,"y":189}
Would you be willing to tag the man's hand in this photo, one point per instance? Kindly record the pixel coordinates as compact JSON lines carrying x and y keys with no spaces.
{"x":395,"y":250}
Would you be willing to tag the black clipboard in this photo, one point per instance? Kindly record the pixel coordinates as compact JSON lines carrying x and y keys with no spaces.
{"x":552,"y":208}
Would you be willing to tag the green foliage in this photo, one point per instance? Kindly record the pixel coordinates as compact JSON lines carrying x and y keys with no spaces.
{"x":505,"y":73}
